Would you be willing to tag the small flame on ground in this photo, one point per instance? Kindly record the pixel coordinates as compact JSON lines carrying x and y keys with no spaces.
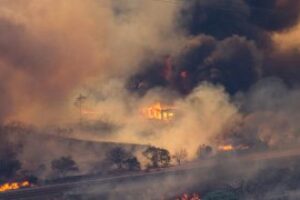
{"x":14,"y":186}
{"x":158,"y":112}
{"x":230,"y":147}
{"x":189,"y":197}
{"x":226,"y":148}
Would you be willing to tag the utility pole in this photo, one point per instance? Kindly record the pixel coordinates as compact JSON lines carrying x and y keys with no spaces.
{"x":79,"y":102}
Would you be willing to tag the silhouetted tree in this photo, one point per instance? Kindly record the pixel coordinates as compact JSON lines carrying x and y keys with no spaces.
{"x":180,"y":155}
{"x":9,"y":164}
{"x":64,"y":165}
{"x":158,"y":157}
{"x":204,"y":151}
{"x":117,"y":156}
{"x":132,"y":164}
{"x":9,"y":168}
{"x":123,"y":159}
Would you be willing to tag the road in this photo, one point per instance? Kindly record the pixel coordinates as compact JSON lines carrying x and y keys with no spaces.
{"x":59,"y":189}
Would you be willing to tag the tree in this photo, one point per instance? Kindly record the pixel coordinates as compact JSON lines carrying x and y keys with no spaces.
{"x":132,"y":164}
{"x":180,"y":156}
{"x":204,"y":151}
{"x":117,"y":156}
{"x":123,"y":159}
{"x":158,"y":157}
{"x":64,"y":165}
{"x":165,"y":157}
{"x":9,"y":164}
{"x":9,"y":167}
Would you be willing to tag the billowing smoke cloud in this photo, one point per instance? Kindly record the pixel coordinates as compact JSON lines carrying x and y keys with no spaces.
{"x":199,"y":117}
{"x":50,"y":49}
{"x":270,"y":118}
{"x":250,"y":18}
{"x":242,"y":34}
{"x":201,"y":57}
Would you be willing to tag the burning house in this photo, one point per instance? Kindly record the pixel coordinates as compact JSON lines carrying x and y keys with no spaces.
{"x":158,"y":111}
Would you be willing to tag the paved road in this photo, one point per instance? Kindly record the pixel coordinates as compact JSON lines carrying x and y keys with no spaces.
{"x":57,"y":189}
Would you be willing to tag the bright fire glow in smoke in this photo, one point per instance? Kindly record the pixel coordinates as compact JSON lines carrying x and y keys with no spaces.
{"x":158,"y":112}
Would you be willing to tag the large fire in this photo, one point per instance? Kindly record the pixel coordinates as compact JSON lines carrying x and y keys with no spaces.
{"x":14,"y":186}
{"x":159,"y":112}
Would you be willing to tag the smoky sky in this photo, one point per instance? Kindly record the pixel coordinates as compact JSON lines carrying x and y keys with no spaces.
{"x":235,"y":46}
{"x":50,"y":50}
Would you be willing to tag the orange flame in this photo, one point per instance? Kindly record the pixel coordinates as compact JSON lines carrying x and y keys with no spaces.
{"x":158,"y":112}
{"x":14,"y":186}
{"x":230,"y":147}
{"x":226,"y":147}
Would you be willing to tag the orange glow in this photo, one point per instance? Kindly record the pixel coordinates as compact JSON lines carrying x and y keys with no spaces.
{"x":14,"y":186}
{"x":89,"y":112}
{"x":189,"y":197}
{"x":183,"y":74}
{"x":158,"y":112}
{"x":226,"y":147}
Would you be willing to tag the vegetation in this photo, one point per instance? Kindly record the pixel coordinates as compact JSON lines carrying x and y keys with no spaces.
{"x":9,"y":168}
{"x":158,"y":157}
{"x":9,"y":164}
{"x":123,"y":159}
{"x":64,"y":165}
{"x":204,"y":151}
{"x":180,"y":156}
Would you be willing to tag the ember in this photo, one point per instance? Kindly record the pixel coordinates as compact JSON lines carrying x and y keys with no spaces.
{"x":14,"y":186}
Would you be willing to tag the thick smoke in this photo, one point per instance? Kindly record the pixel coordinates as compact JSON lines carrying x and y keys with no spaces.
{"x":209,"y":60}
{"x":271,"y":117}
{"x":243,"y":33}
{"x":50,"y":49}
{"x":199,"y":117}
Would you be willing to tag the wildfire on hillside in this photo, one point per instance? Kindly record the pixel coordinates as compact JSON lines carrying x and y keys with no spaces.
{"x":14,"y":186}
{"x":158,"y":111}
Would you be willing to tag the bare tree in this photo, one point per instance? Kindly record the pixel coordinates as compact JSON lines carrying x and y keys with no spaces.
{"x":180,"y":156}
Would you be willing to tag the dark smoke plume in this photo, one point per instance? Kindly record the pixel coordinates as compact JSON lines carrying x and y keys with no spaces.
{"x":235,"y":48}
